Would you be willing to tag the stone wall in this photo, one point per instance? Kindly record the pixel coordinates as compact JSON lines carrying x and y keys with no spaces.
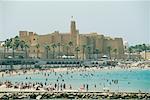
{"x":94,"y":40}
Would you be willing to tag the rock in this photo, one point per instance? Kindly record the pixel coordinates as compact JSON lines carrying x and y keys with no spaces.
{"x":4,"y":97}
{"x":39,"y":97}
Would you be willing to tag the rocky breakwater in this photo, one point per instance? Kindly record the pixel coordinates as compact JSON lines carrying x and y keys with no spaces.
{"x":74,"y":95}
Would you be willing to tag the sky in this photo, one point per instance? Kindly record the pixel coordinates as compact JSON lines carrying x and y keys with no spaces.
{"x":127,"y":19}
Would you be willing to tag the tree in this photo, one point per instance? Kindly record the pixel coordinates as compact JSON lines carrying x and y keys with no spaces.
{"x":109,"y":51}
{"x":12,"y":43}
{"x":70,"y":45}
{"x":96,"y":52}
{"x":26,"y":53}
{"x":115,"y":51}
{"x":144,"y":48}
{"x":83,"y":51}
{"x":8,"y":43}
{"x":130,"y":51}
{"x":47,"y":47}
{"x":67,"y":47}
{"x":53,"y":46}
{"x":138,"y":50}
{"x":37,"y":46}
{"x":89,"y":52}
{"x":77,"y":51}
{"x":59,"y":45}
{"x":22,"y":44}
{"x":4,"y":45}
{"x":62,"y":51}
{"x":16,"y":42}
{"x":13,"y":46}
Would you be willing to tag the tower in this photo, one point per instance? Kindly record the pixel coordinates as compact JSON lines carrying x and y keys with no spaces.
{"x":72,"y":26}
{"x":73,"y":32}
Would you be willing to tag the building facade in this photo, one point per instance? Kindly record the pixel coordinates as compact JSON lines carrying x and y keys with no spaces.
{"x":145,"y":55}
{"x":82,"y":46}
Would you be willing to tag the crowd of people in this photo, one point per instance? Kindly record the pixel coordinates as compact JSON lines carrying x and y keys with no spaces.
{"x":59,"y":82}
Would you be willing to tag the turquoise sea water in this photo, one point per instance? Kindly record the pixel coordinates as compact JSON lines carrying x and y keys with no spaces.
{"x":129,"y":80}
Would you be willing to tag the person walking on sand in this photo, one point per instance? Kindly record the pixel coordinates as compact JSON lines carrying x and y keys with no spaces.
{"x":70,"y":87}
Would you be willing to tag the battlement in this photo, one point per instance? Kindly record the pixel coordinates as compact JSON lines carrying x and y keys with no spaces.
{"x":31,"y":33}
{"x":25,"y":33}
{"x":118,"y":39}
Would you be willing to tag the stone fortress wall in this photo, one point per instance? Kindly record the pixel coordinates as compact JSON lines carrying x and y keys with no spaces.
{"x":93,"y":40}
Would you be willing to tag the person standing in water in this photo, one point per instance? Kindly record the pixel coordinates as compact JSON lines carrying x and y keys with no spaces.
{"x":87,"y":87}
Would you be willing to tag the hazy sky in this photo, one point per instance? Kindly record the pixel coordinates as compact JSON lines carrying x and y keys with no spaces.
{"x":127,"y":19}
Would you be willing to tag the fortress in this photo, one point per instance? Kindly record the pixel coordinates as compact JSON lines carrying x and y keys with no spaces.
{"x":73,"y":44}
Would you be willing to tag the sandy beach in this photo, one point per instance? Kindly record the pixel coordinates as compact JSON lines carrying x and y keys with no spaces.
{"x":66,"y":69}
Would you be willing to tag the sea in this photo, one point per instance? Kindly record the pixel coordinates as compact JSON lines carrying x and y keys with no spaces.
{"x":100,"y":80}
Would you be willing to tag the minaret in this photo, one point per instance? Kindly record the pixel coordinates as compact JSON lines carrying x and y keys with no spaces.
{"x":73,"y":26}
